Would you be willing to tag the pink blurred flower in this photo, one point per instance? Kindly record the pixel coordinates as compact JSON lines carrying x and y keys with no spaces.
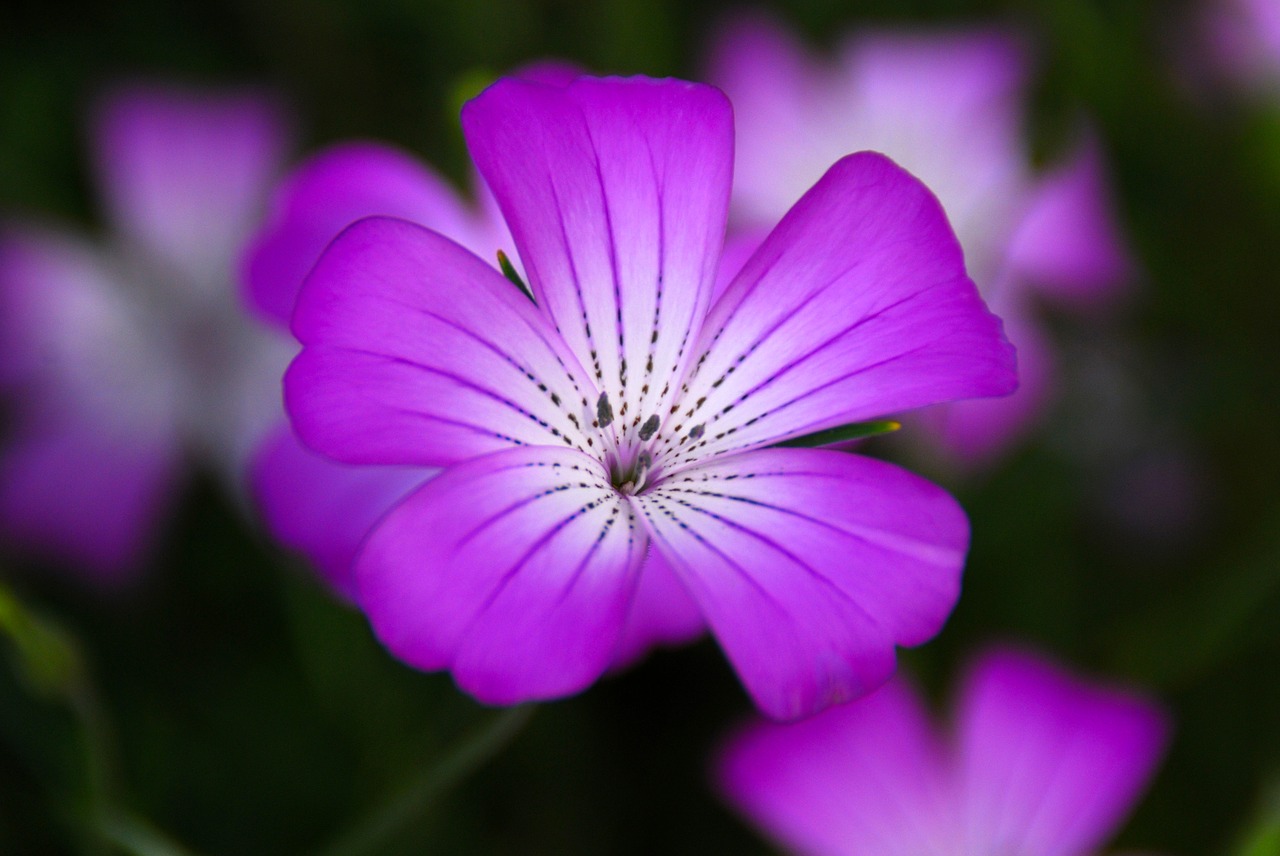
{"x":1037,"y":762}
{"x":1243,"y":40}
{"x":124,"y":356}
{"x":948,"y":106}
{"x":622,"y":408}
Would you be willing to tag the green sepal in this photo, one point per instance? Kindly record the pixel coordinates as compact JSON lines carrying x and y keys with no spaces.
{"x":509,"y":271}
{"x":841,"y":434}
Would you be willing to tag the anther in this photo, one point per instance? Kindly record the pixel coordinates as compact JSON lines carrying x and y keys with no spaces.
{"x":604,"y":412}
{"x":649,"y":428}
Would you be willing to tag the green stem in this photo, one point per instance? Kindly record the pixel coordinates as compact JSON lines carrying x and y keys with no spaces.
{"x":134,"y":835}
{"x":52,"y":664}
{"x":381,"y":825}
{"x":95,"y":734}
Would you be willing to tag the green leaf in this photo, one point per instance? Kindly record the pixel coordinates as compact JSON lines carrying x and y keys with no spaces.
{"x":841,"y":434}
{"x":1262,"y":838}
{"x":49,"y":660}
{"x":45,"y":654}
{"x":1193,"y":630}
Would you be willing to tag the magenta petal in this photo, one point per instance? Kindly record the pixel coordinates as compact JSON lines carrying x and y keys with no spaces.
{"x":856,"y":306}
{"x":810,"y":566}
{"x":739,"y":247}
{"x":861,"y":779}
{"x":662,"y":613}
{"x":513,"y":570}
{"x":184,"y":172}
{"x":977,"y":432}
{"x":1069,"y":242}
{"x":325,"y":195}
{"x":321,"y":508}
{"x":615,"y":192}
{"x":416,"y":352}
{"x":1049,"y":764}
{"x":78,"y":492}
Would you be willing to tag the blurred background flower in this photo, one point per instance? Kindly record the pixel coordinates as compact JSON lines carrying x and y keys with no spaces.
{"x":950,"y":106}
{"x":1035,"y":762}
{"x":127,"y":356}
{"x":1242,"y":38}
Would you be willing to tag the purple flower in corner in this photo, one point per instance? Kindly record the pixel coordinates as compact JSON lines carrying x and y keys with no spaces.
{"x":1243,"y":41}
{"x":1038,"y":763}
{"x":623,"y":412}
{"x":948,"y":106}
{"x":124,"y":357}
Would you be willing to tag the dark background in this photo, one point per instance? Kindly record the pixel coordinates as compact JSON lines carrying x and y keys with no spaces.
{"x":251,"y":714}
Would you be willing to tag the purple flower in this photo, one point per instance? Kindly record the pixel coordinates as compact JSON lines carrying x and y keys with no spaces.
{"x":948,"y":107}
{"x":1037,"y":763}
{"x":1243,"y":40}
{"x":622,"y":409}
{"x":125,"y":355}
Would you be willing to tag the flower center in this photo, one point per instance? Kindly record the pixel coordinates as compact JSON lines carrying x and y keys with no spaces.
{"x":627,"y":454}
{"x":630,"y":478}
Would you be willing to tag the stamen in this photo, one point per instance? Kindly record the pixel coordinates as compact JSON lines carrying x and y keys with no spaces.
{"x":650,"y":427}
{"x":604,"y":412}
